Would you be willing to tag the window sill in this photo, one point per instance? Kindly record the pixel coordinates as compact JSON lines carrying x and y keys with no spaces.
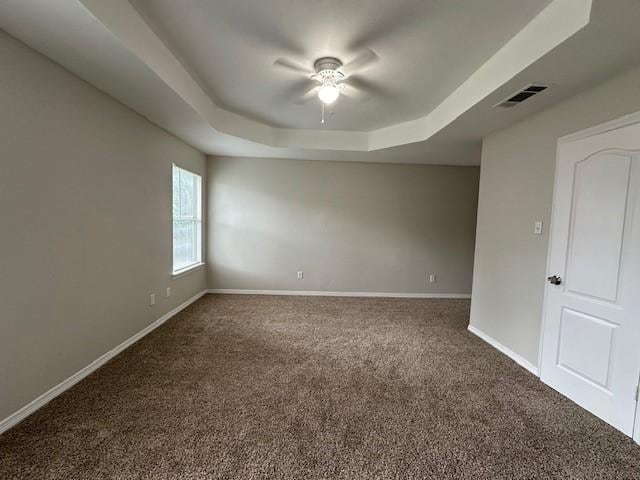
{"x":186,"y":270}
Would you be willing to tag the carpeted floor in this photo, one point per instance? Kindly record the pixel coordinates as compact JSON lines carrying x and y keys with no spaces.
{"x":249,"y":387}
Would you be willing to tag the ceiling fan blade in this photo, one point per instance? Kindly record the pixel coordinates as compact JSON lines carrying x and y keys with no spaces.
{"x":308,"y":95}
{"x":367,"y":88}
{"x":366,"y":59}
{"x":296,"y":90}
{"x":354,"y":93}
{"x":292,"y":66}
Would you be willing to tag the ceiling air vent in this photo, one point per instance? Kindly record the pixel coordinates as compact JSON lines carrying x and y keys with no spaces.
{"x":522,"y":95}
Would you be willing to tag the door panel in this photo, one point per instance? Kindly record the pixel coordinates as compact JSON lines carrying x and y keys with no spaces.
{"x":599,"y":206}
{"x":591,"y":333}
{"x":586,"y":343}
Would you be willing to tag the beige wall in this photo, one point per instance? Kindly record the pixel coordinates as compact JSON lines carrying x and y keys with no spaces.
{"x":85,"y":197}
{"x":516,"y":186}
{"x":351,"y":227}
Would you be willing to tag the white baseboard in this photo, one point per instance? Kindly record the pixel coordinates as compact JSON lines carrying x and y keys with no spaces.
{"x":509,"y":353}
{"x":312,"y":293}
{"x":46,"y":397}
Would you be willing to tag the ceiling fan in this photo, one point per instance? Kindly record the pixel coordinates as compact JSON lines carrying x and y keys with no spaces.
{"x":330,"y":78}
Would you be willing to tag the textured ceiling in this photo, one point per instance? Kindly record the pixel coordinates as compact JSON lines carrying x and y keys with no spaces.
{"x":425,"y":49}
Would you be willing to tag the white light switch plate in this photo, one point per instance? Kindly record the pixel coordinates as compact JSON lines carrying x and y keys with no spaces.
{"x":537,"y":227}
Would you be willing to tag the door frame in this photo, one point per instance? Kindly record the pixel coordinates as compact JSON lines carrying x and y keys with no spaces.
{"x":624,"y":121}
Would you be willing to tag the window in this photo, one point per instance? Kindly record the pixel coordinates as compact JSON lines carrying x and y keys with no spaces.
{"x":187,"y":220}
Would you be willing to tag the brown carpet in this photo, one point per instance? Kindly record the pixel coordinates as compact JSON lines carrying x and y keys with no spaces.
{"x":249,"y":387}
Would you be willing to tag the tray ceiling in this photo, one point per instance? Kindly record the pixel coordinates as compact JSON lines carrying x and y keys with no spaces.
{"x":425,"y":50}
{"x":204,"y":70}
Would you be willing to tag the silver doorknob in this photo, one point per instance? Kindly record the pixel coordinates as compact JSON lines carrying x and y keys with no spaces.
{"x":554,"y":280}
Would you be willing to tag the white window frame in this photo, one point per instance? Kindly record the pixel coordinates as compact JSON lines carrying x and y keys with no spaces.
{"x":197,"y":221}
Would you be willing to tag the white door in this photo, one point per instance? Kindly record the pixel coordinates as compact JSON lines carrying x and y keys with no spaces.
{"x":591,"y":333}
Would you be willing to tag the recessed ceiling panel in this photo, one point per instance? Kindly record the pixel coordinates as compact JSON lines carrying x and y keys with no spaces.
{"x":424,"y":49}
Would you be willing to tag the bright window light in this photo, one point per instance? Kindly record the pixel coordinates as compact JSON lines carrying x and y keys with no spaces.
{"x":187,"y":219}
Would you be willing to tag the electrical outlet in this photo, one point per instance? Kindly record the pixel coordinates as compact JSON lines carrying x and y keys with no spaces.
{"x":152,"y":299}
{"x":300,"y":275}
{"x":432,"y":278}
{"x":168,"y":291}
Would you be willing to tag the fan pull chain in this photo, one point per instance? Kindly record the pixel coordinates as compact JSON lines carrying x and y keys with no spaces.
{"x":322,"y":121}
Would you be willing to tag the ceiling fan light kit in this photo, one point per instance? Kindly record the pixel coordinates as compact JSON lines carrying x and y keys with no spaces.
{"x":328,"y":94}
{"x":330,"y":79}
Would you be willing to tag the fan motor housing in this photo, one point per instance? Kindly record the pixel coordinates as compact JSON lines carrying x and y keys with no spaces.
{"x":327,"y":63}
